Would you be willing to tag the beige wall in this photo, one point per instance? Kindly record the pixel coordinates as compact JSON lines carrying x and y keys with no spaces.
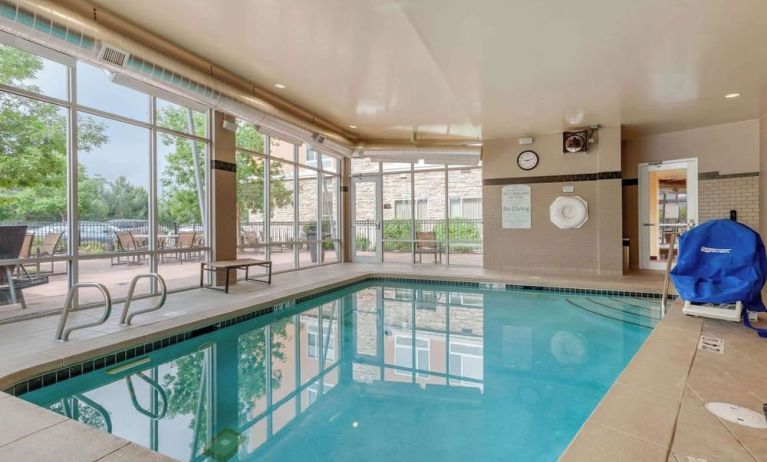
{"x":727,"y":149}
{"x":595,"y":247}
{"x":762,"y":192}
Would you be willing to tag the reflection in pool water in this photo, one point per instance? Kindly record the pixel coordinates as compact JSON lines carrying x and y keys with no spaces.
{"x":395,"y":372}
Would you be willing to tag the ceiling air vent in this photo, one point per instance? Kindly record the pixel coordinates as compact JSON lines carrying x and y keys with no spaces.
{"x":113,"y":55}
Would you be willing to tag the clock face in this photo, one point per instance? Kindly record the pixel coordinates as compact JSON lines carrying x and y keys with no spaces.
{"x":527,"y":160}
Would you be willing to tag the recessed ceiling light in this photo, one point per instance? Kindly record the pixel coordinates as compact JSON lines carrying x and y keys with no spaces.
{"x":279,"y":85}
{"x":352,"y":126}
{"x":732,"y":95}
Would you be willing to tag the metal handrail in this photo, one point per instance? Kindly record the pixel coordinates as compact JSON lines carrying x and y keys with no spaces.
{"x":100,"y":410}
{"x":152,"y":415}
{"x":667,"y":275}
{"x":125,"y":319}
{"x":62,"y":334}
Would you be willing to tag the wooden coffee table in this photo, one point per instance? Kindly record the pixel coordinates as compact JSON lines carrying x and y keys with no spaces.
{"x":229,"y":265}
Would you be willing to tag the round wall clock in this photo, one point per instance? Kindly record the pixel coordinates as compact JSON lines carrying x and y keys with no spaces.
{"x":527,"y":160}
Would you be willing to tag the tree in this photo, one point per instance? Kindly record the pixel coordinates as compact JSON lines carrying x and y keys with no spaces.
{"x":33,"y":152}
{"x":127,"y":200}
{"x":250,"y":175}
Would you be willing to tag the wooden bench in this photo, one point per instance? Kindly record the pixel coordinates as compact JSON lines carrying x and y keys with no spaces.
{"x":229,"y":265}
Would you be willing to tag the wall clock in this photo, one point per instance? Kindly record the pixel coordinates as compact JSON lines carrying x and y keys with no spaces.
{"x":527,"y":160}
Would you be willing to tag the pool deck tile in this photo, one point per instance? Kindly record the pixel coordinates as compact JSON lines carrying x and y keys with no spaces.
{"x":133,"y":452}
{"x":20,"y":419}
{"x":643,"y":414}
{"x":63,"y":442}
{"x":600,"y":443}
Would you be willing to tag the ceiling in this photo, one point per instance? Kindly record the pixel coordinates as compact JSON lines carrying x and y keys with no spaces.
{"x":481,"y":68}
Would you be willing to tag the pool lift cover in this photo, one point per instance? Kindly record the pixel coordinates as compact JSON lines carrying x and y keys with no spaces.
{"x":721,"y":262}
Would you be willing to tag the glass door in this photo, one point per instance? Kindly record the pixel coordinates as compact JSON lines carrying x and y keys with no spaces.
{"x":366,"y":219}
{"x":668,"y":205}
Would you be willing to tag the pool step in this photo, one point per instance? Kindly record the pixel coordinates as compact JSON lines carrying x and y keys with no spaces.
{"x":634,"y":306}
{"x":612,"y":313}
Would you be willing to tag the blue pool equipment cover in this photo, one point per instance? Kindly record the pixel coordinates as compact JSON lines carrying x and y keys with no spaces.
{"x":721,"y":261}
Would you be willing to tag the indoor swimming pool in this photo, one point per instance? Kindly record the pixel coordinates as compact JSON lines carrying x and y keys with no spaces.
{"x":377,"y":371}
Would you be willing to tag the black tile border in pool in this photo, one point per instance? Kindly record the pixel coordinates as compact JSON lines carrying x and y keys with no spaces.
{"x":101,"y":362}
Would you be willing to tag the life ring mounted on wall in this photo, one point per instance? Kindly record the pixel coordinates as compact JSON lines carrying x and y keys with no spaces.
{"x":569,"y":212}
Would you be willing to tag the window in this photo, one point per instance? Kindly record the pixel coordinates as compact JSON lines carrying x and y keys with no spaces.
{"x":314,"y":344}
{"x":312,"y":160}
{"x":403,"y":355}
{"x":466,"y":360}
{"x":470,"y":208}
{"x":117,"y":147}
{"x":402,"y":209}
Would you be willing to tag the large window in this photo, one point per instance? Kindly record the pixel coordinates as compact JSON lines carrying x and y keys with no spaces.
{"x":288,"y":201}
{"x":136,"y":164}
{"x":432,"y":214}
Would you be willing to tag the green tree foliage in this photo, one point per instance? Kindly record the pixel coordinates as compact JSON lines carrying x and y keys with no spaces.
{"x":33,"y":152}
{"x":182,"y":384}
{"x":250,"y":175}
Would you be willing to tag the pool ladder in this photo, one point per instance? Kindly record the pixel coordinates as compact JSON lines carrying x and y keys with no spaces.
{"x":63,"y":333}
{"x":667,"y":276}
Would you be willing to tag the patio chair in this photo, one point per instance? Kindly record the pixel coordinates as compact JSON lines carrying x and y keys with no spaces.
{"x":426,"y":243}
{"x":127,"y":243}
{"x":250,"y":240}
{"x":26,"y":252}
{"x":185,"y":242}
{"x":48,"y":248}
{"x":12,"y":239}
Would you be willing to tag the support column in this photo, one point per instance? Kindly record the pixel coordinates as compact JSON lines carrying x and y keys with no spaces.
{"x":346,"y":219}
{"x":223,"y":194}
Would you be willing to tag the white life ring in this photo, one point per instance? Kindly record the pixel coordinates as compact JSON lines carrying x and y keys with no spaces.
{"x":569,"y":212}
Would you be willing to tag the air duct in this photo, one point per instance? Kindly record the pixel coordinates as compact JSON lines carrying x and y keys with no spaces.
{"x":452,"y":155}
{"x":52,"y":26}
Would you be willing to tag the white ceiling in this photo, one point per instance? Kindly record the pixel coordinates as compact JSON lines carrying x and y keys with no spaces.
{"x":484,"y":68}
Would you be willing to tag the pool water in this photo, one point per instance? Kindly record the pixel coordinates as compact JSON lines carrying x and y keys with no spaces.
{"x":373,"y":372}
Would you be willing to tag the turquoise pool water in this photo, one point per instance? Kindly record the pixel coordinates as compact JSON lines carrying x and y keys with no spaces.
{"x":373,"y":372}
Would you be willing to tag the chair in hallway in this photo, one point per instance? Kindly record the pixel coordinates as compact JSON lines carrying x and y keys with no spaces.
{"x":426,"y":243}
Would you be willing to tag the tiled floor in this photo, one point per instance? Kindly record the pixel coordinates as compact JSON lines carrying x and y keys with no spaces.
{"x":653,"y":412}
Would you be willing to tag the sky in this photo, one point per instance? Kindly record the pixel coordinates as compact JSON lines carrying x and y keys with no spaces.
{"x":127,"y":151}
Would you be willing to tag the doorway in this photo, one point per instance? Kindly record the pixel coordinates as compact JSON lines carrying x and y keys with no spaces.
{"x":366,"y":219}
{"x":668,"y":204}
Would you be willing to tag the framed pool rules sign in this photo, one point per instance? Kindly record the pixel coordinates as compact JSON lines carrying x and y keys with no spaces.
{"x":515,"y":204}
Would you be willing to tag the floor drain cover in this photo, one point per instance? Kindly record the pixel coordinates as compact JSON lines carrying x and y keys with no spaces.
{"x":711,"y":344}
{"x":737,"y":414}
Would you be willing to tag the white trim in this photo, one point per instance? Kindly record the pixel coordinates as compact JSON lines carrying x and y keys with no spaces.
{"x":691,"y":166}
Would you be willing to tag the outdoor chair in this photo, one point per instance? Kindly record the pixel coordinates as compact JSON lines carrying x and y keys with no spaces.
{"x":185,"y":242}
{"x":26,"y":252}
{"x":426,"y":243}
{"x":250,"y":240}
{"x":127,"y":243}
{"x":48,"y":248}
{"x":12,"y":239}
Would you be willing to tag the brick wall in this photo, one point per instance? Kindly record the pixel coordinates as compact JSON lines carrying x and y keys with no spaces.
{"x":718,"y":196}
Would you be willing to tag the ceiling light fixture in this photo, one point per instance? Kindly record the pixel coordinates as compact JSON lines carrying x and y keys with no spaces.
{"x":732,"y":95}
{"x":352,"y":126}
{"x":280,"y":86}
